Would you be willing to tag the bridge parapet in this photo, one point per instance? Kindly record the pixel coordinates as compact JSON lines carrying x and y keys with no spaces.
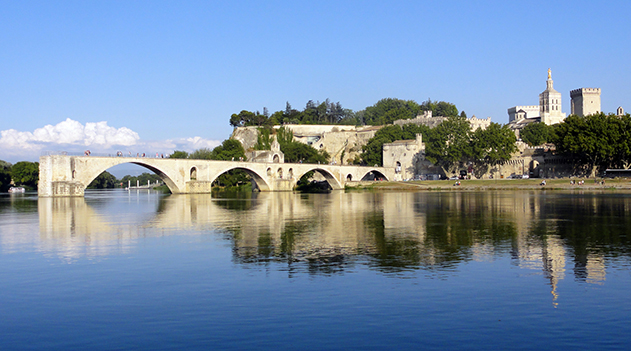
{"x":62,"y":175}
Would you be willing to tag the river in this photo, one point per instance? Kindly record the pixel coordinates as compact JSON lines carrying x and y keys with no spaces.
{"x":523,"y":270}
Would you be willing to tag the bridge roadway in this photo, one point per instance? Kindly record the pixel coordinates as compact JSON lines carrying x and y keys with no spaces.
{"x":62,"y":175}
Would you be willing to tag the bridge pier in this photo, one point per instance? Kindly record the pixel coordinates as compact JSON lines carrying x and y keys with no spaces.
{"x":56,"y":177}
{"x":198,"y":187}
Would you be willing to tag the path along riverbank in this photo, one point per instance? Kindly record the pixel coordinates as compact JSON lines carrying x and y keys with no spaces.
{"x":497,"y":184}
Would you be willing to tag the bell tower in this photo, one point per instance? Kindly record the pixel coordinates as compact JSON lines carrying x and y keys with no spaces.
{"x":550,"y":103}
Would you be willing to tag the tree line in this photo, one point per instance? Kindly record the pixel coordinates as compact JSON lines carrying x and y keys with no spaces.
{"x":594,"y":142}
{"x":385,"y":111}
{"x":106,"y":180}
{"x":23,"y":173}
{"x":591,"y":143}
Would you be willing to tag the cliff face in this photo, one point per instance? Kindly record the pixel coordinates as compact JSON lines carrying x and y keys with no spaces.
{"x":246,"y":135}
{"x":343,"y":143}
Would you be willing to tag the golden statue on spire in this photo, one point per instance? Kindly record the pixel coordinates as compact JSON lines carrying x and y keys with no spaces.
{"x":549,"y":74}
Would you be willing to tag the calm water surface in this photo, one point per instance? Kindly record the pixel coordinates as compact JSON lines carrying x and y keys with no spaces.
{"x":366,"y":271}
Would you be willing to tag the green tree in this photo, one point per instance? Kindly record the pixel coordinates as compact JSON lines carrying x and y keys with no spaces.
{"x":386,"y":111}
{"x":535,"y":134}
{"x":291,"y":115}
{"x":247,"y":118}
{"x":372,"y":152}
{"x":230,"y":149}
{"x":597,"y":141}
{"x":449,"y":143}
{"x":445,"y":109}
{"x":104,"y":180}
{"x":411,"y":130}
{"x":296,"y":151}
{"x":179,"y":154}
{"x":277,"y":118}
{"x":284,"y":135}
{"x":349,"y":118}
{"x":25,"y":173}
{"x":201,"y":154}
{"x":264,"y":139}
{"x":299,"y":152}
{"x":440,"y":108}
{"x":494,"y":144}
{"x":243,"y":118}
{"x":5,"y":176}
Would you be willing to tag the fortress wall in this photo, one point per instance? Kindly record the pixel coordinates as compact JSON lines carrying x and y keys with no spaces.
{"x":314,"y":129}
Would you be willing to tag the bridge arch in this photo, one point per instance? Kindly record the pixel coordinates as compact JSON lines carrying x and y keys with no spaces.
{"x":330,"y":178}
{"x":258,"y":179}
{"x":90,"y":173}
{"x":376,"y":173}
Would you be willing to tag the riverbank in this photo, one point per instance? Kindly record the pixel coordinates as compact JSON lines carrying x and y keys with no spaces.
{"x":495,"y":184}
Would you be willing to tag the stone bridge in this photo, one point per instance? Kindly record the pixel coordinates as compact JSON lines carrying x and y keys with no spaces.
{"x":61,"y":175}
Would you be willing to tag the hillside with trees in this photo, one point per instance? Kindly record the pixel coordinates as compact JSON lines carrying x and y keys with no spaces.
{"x":385,"y":111}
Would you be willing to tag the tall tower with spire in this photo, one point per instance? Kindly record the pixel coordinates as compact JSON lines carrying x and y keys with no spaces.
{"x":550,"y":103}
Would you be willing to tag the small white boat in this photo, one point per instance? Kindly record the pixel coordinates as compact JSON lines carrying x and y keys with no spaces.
{"x":16,"y":190}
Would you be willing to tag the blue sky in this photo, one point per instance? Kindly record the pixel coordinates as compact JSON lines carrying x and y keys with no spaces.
{"x":152,"y":76}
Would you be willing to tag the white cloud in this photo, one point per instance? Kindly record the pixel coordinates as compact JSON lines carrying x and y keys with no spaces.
{"x":69,"y":132}
{"x":73,"y":137}
{"x":199,"y":143}
{"x":183,"y":144}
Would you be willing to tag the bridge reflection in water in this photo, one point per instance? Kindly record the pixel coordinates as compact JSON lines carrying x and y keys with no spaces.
{"x":391,"y":232}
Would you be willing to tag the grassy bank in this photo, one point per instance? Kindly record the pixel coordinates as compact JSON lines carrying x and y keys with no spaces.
{"x":493,"y":184}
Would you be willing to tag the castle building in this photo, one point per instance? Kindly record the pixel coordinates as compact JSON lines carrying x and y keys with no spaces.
{"x":521,"y":112}
{"x":402,"y":155}
{"x":585,"y":101}
{"x":549,"y":111}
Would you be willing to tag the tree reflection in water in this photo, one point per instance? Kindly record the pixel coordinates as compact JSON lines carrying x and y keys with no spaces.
{"x":438,"y":231}
{"x":390,"y":232}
